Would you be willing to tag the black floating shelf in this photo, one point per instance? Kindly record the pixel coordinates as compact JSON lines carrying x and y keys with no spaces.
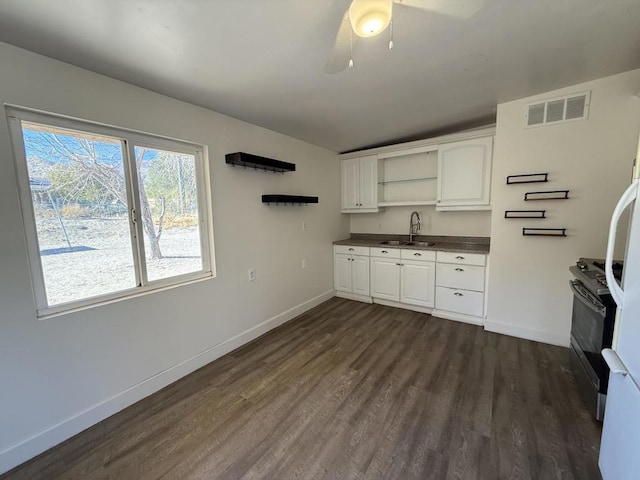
{"x":525,"y":213}
{"x":248,"y":160}
{"x":528,"y":178}
{"x":544,"y":232}
{"x":550,"y":195}
{"x":292,"y":199}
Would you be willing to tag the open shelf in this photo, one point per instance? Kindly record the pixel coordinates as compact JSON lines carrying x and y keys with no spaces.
{"x":408,"y":180}
{"x":292,"y":199}
{"x":248,"y":160}
{"x":406,"y":203}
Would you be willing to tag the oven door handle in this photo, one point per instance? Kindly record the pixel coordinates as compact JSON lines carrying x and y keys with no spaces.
{"x":580,"y":295}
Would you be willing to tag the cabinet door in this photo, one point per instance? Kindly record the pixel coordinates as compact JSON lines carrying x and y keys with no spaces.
{"x":351,"y":183}
{"x":360,"y":275}
{"x":369,"y":182}
{"x":385,"y":279}
{"x":342,"y":272}
{"x":418,"y":283}
{"x":464,"y":173}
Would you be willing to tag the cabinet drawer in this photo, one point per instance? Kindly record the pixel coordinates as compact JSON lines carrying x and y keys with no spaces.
{"x":351,"y":250}
{"x":462,"y":258}
{"x":385,"y":252}
{"x":466,"y":277}
{"x":460,"y":301}
{"x":425,"y":255}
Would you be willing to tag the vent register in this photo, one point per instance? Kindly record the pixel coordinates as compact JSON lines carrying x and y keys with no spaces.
{"x":559,"y":110}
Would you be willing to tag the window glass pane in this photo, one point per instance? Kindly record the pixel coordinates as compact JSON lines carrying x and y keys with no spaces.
{"x":169,"y":211}
{"x":80,"y":203}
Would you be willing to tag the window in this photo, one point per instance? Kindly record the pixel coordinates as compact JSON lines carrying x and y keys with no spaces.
{"x":108,"y":213}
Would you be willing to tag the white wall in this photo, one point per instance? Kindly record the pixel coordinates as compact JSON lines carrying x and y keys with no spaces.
{"x":62,"y":374}
{"x":528,"y":281}
{"x":395,"y":220}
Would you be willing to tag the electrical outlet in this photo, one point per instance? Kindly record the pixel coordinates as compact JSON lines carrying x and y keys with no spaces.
{"x":252,"y":274}
{"x":304,"y":226}
{"x":304,"y":263}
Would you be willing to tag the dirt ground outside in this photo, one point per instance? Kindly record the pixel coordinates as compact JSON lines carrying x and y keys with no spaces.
{"x":100,"y":259}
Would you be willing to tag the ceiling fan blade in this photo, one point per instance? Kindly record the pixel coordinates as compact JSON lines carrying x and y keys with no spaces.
{"x":451,"y":8}
{"x":341,"y":52}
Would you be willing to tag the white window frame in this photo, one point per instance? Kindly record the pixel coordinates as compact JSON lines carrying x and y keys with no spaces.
{"x":130,"y":139}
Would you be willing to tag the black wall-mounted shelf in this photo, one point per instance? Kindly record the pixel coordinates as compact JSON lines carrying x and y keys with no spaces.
{"x":525,"y":213}
{"x":549,"y":195}
{"x":248,"y":160}
{"x":544,"y":232}
{"x":286,"y":199}
{"x":528,"y":178}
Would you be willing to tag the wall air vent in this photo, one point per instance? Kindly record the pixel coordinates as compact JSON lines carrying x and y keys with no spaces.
{"x":559,"y":110}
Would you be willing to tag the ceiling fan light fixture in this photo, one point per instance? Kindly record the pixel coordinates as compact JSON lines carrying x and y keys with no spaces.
{"x":369,"y":17}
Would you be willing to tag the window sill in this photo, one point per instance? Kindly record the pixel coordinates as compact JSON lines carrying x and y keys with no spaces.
{"x":73,"y":307}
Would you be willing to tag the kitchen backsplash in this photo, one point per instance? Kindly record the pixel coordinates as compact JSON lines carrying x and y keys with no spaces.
{"x":395,"y":220}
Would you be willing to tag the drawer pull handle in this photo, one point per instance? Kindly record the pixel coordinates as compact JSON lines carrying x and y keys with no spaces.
{"x":351,"y":249}
{"x":418,"y":254}
{"x":384,"y":251}
{"x":459,"y":257}
{"x":459,"y":269}
{"x":458,"y":294}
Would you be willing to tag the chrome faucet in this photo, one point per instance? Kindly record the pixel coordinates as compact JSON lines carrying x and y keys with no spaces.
{"x":414,"y":227}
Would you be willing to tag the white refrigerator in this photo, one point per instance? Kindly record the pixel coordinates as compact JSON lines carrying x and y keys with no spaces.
{"x":620,"y":447}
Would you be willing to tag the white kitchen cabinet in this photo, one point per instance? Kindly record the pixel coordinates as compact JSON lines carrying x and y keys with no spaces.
{"x":459,"y":301}
{"x":385,"y":278}
{"x":351,"y":270}
{"x":360,"y":185}
{"x":464,"y":174}
{"x":460,"y":286}
{"x":417,"y":282}
{"x":404,"y":276}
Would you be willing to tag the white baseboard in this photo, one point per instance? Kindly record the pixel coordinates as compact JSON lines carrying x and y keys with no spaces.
{"x":354,"y":296}
{"x":38,"y":443}
{"x":458,"y":317}
{"x":526,"y":333}
{"x":404,"y":306}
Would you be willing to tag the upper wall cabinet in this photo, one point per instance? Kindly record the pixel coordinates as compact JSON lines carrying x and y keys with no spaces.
{"x":452,"y":172}
{"x":360,"y":185}
{"x":464,"y":174}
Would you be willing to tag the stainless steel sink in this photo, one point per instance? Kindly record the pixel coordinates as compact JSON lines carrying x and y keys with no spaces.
{"x":398,"y":243}
{"x":418,"y":244}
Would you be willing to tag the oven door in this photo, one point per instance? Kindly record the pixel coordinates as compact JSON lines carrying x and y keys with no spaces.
{"x":590,"y":333}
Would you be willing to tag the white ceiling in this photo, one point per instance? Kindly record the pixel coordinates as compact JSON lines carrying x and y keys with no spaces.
{"x":262,"y":60}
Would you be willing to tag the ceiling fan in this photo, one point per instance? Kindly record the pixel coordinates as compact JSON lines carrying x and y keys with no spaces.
{"x":368,"y":18}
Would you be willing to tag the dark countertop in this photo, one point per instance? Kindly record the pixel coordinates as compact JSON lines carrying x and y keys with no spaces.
{"x":442,"y":243}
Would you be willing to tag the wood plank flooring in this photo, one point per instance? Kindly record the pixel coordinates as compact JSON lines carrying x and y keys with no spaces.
{"x":351,"y":391}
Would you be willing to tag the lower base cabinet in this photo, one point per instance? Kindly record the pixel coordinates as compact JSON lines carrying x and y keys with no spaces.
{"x":465,"y":302}
{"x":450,"y":284}
{"x":417,"y":283}
{"x":460,"y":283}
{"x":405,"y":276}
{"x":351,"y":270}
{"x":385,"y":278}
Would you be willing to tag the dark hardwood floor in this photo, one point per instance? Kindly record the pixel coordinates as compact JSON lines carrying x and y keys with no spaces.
{"x":351,"y":391}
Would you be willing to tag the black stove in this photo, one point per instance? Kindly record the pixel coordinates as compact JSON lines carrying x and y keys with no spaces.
{"x":592,"y":324}
{"x":590,"y":272}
